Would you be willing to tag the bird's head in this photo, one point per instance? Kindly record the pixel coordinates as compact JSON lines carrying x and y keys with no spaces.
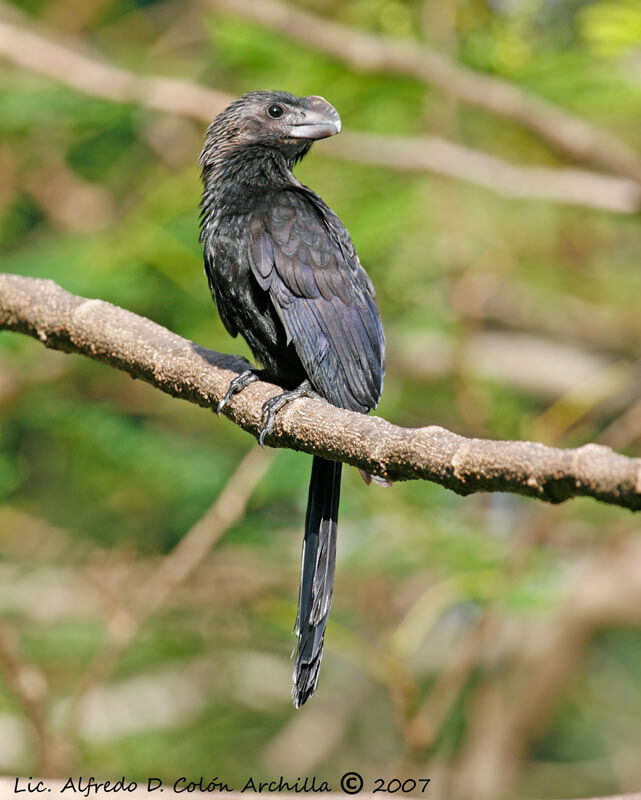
{"x":277,"y":121}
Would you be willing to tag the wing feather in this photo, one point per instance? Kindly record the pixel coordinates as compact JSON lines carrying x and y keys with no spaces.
{"x":303,"y":256}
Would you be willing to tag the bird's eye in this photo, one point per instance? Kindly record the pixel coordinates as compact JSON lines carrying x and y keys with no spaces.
{"x":275,"y":111}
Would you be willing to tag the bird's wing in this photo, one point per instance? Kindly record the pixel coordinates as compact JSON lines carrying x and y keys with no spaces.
{"x":301,"y":253}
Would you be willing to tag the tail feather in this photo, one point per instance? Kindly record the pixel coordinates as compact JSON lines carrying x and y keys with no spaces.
{"x":317,"y":576}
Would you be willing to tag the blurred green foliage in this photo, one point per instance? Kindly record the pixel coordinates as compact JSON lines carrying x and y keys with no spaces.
{"x":101,"y":473}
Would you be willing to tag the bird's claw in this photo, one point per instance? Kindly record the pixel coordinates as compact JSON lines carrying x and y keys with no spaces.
{"x":268,"y":416}
{"x":272,"y":406}
{"x":237,"y":385}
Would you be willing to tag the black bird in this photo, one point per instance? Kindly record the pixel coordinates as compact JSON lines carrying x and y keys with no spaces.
{"x":283,"y":272}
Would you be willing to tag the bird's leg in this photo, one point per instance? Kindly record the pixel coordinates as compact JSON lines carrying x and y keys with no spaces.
{"x":237,"y":385}
{"x":272,"y":406}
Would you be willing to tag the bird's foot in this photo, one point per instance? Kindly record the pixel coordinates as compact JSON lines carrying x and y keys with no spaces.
{"x":237,"y":385}
{"x":272,"y":406}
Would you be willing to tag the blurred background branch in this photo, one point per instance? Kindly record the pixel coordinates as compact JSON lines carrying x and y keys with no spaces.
{"x":571,"y":135}
{"x":152,"y":595}
{"x":86,"y":73}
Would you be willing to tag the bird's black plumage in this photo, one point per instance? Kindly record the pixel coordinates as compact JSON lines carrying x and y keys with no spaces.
{"x":284,"y":274}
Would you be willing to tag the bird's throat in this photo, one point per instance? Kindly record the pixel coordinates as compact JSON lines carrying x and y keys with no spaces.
{"x":231,"y":177}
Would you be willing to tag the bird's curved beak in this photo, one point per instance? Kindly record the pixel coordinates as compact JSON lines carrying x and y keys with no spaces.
{"x":319,"y":119}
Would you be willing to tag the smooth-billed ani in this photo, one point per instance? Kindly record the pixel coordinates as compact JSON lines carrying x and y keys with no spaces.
{"x":283,"y":271}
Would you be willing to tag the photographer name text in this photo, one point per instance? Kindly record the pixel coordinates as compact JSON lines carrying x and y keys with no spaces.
{"x":350,"y":783}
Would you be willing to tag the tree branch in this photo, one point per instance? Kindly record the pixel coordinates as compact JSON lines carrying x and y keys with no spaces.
{"x":85,"y":73}
{"x":145,"y":350}
{"x":510,"y":706}
{"x":173,"y":570}
{"x":442,"y":157}
{"x":368,"y":52}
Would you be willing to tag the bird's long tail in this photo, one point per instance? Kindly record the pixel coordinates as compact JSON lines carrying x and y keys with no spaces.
{"x":317,"y":578}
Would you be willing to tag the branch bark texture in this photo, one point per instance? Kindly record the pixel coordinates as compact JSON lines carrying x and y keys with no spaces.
{"x":145,"y":350}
